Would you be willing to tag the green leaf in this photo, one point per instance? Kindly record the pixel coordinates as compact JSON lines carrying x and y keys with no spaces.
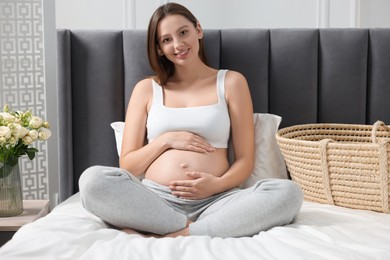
{"x":31,"y":153}
{"x":32,"y":149}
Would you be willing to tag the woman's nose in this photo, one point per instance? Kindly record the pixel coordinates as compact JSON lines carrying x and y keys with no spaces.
{"x":178,"y":43}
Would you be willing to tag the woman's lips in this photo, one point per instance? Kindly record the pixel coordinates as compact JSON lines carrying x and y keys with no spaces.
{"x":182,"y":54}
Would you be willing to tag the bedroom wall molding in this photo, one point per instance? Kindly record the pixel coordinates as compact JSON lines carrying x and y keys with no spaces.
{"x":51,"y":90}
{"x":129,"y":14}
{"x":355,"y":14}
{"x":323,"y":13}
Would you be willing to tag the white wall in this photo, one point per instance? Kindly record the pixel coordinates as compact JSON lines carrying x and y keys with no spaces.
{"x":135,"y":14}
{"x":89,"y":14}
{"x":254,"y":13}
{"x":375,"y":13}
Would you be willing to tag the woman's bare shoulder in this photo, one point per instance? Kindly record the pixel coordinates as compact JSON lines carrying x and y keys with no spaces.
{"x":232,"y":74}
{"x":235,"y":81}
{"x":142,"y":93}
{"x":143,"y":88}
{"x":144,"y":84}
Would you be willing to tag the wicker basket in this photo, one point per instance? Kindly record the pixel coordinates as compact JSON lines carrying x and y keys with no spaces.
{"x":340,"y":164}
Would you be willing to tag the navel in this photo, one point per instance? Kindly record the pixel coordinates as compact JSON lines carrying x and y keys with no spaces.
{"x":184,"y":165}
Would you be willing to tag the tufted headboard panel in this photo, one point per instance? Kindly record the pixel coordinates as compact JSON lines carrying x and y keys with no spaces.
{"x":303,"y":75}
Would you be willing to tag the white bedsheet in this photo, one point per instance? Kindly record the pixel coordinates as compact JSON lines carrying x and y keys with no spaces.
{"x":320,"y":232}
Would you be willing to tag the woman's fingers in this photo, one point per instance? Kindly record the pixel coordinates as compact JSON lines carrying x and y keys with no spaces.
{"x":190,"y":141}
{"x":200,"y":143}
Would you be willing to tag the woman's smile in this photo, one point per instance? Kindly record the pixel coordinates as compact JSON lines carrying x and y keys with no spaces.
{"x":182,"y":54}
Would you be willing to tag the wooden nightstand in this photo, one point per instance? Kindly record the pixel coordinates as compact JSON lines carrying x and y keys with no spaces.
{"x":33,"y":210}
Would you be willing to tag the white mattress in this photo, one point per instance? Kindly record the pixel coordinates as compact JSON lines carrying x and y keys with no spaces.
{"x":320,"y":232}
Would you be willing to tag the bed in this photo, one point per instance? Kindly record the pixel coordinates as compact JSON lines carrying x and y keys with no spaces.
{"x":299,"y":75}
{"x":320,"y":232}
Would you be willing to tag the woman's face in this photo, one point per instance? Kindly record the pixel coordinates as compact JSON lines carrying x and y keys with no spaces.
{"x":178,"y":39}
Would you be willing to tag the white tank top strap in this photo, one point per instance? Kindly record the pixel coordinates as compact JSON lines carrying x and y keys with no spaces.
{"x":157,"y":94}
{"x":221,"y":85}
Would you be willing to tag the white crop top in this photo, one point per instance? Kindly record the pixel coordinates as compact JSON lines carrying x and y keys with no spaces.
{"x":212,"y":122}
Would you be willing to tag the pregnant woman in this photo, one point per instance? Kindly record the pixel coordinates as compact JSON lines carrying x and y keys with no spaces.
{"x":187,"y":112}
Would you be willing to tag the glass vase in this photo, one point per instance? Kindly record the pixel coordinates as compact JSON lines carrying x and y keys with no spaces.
{"x":11,"y":202}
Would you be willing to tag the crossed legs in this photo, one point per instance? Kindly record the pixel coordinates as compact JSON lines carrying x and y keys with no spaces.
{"x":123,"y":201}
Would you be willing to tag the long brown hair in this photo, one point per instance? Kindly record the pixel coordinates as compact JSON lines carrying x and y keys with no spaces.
{"x":163,"y":67}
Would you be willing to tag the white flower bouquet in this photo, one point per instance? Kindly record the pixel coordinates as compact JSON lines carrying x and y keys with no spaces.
{"x":18,"y":130}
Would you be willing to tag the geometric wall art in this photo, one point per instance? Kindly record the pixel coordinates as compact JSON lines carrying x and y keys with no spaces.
{"x":22,"y":80}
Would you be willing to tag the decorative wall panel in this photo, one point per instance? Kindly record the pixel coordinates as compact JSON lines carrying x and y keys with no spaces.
{"x":22,"y":81}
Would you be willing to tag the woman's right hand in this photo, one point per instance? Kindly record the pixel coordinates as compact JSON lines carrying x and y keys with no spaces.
{"x":187,"y":141}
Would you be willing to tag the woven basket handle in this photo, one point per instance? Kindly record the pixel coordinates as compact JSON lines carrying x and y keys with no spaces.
{"x":375,"y":128}
{"x":323,"y":145}
{"x":383,"y":164}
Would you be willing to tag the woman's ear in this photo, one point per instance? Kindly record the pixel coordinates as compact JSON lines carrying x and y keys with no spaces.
{"x":159,"y":51}
{"x":200,"y":30}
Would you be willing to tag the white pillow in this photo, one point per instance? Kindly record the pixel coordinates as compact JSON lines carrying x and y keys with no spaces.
{"x":269,"y":162}
{"x":118,"y":130}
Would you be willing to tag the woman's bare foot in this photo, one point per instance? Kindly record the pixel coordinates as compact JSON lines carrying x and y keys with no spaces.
{"x":134,"y":232}
{"x":182,"y":232}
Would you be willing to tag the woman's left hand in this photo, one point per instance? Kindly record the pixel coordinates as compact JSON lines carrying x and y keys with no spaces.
{"x":202,"y":185}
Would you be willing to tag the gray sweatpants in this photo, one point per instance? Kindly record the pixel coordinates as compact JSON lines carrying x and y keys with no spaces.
{"x":122,"y":200}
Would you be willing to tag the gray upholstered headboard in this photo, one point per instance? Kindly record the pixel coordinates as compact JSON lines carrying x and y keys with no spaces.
{"x":303,"y":75}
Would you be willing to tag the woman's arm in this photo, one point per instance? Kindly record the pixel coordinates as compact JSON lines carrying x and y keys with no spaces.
{"x":136,"y":157}
{"x":241,"y":116}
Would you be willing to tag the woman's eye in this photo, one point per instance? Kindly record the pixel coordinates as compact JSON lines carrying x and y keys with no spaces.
{"x":182,"y":33}
{"x":166,"y":40}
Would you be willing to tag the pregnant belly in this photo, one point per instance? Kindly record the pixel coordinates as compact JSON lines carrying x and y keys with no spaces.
{"x":173,"y":164}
